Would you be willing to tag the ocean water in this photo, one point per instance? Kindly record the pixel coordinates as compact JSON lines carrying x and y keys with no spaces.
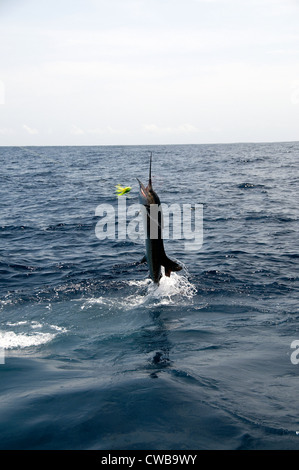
{"x":94,"y":356}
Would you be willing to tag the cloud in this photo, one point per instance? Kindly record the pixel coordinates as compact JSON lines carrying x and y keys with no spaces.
{"x":83,"y":46}
{"x":108,"y":130}
{"x":30,"y":130}
{"x":6,"y":131}
{"x":181,"y":129}
{"x":76,"y":130}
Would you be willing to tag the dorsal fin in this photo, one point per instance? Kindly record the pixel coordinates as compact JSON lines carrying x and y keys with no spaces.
{"x":150,"y":172}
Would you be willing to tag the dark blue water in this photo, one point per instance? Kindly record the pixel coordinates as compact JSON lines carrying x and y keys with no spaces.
{"x":96,"y":357}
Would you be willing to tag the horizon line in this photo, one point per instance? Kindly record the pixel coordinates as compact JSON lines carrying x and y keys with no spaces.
{"x":154,"y":145}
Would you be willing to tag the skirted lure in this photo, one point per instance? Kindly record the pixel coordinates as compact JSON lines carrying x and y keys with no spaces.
{"x":120,"y":191}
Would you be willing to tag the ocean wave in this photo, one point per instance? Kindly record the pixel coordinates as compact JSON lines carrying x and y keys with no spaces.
{"x":250,"y":186}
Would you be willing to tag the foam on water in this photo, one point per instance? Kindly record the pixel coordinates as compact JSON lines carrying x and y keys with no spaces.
{"x":173,"y":290}
{"x":23,"y":334}
{"x":11,"y":340}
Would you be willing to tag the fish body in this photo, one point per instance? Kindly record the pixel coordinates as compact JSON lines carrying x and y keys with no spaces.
{"x":155,"y":255}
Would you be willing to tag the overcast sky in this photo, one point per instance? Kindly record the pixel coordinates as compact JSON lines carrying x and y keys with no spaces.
{"x":97,"y":72}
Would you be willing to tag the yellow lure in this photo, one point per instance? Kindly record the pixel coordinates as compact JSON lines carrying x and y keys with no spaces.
{"x":120,"y":191}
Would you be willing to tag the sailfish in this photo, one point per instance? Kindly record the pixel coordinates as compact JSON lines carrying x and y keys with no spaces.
{"x":155,"y":255}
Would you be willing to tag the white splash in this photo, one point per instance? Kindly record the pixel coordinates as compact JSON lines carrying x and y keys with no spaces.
{"x":11,"y":340}
{"x":28,"y":334}
{"x":172,"y":290}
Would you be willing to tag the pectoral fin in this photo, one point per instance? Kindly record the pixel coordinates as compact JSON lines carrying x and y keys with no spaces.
{"x":170,"y":265}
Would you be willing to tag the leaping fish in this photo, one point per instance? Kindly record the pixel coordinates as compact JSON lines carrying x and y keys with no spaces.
{"x":155,"y":255}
